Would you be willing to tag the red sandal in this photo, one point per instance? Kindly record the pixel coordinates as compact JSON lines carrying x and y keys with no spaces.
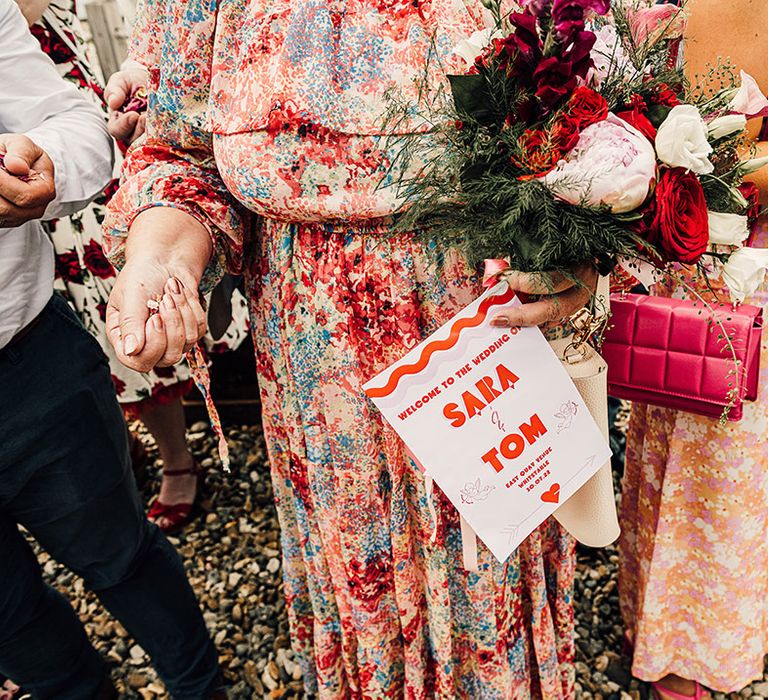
{"x":175,"y":516}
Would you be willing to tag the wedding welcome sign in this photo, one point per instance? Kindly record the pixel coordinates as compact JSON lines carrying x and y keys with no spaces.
{"x":493,"y":417}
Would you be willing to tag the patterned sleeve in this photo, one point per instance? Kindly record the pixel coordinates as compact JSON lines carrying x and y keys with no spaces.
{"x":173,"y":165}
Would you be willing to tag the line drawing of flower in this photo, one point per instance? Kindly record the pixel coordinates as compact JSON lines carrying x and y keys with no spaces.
{"x":474,"y":491}
{"x":566,"y":414}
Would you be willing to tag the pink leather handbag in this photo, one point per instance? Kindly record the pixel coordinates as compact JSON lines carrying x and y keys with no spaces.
{"x":671,"y":353}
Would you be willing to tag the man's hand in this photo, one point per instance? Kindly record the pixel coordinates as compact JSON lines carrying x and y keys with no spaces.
{"x":562,"y":297}
{"x":125,"y":126}
{"x":27,"y":184}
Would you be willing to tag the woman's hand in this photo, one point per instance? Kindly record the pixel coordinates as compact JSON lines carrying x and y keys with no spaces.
{"x":562,"y":297}
{"x":166,"y":254}
{"x":125,"y":126}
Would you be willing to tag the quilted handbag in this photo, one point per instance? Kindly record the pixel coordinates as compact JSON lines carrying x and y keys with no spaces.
{"x":672,"y":353}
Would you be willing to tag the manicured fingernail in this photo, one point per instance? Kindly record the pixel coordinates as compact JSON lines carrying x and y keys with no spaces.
{"x":500,"y":322}
{"x":168,"y":303}
{"x":175,"y":285}
{"x":130,"y":345}
{"x":157,"y":322}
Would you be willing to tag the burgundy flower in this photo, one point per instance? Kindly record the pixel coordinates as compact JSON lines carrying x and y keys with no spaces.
{"x":569,"y":13}
{"x":96,"y":262}
{"x":555,"y":80}
{"x":536,"y":7}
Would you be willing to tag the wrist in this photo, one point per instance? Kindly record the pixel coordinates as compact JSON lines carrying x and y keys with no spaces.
{"x":171,"y":237}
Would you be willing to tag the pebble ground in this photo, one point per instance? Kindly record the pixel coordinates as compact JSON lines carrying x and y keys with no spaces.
{"x":232,"y":557}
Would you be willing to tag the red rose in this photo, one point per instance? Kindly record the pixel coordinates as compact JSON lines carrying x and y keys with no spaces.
{"x":664,"y":96}
{"x":586,"y":107}
{"x":539,"y":154}
{"x":95,"y":261}
{"x":636,"y":117}
{"x":119,"y":384}
{"x":751,"y":192}
{"x":565,"y":132}
{"x":68,"y":267}
{"x":681,"y":216}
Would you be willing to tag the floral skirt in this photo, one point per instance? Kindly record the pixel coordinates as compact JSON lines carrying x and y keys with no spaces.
{"x":694,"y":550}
{"x":378,"y":610}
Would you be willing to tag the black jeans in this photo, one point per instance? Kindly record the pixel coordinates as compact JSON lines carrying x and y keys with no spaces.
{"x":65,"y":476}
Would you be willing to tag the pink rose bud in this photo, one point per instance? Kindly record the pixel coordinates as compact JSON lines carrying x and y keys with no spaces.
{"x":650,"y":24}
{"x":749,"y":99}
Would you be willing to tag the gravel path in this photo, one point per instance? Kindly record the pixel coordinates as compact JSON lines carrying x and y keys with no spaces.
{"x":232,"y":556}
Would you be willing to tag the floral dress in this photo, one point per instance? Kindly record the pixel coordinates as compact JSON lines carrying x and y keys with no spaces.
{"x":275,"y":107}
{"x":83,"y":273}
{"x":693,"y":575}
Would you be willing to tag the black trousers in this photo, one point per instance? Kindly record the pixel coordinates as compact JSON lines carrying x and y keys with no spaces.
{"x":65,"y":476}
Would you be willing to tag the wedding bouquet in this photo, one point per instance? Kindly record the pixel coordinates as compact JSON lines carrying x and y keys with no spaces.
{"x":573,"y":137}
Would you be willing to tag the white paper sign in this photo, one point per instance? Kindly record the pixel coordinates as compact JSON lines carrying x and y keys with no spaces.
{"x":494,"y":418}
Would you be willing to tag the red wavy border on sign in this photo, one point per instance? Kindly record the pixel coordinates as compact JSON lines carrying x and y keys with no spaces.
{"x":437,"y":345}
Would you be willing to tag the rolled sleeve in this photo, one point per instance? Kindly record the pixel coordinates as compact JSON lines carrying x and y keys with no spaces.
{"x":173,"y":164}
{"x":37,"y":102}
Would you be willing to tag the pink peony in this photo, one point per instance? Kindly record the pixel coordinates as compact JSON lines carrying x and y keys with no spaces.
{"x":649,"y":24}
{"x":612,"y":165}
{"x":749,"y":99}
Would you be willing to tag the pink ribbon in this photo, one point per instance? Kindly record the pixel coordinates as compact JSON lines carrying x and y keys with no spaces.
{"x":493,"y":269}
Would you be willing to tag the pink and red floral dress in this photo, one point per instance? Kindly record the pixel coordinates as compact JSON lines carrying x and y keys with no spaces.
{"x":275,"y":108}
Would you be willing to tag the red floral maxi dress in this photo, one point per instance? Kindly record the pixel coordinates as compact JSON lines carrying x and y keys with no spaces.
{"x":274,"y":107}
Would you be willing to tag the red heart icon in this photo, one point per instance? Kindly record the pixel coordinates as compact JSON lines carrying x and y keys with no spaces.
{"x":552,"y":495}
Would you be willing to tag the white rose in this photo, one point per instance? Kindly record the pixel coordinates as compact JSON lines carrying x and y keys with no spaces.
{"x":726,"y":125}
{"x":681,"y":141}
{"x":745,"y":271}
{"x":469,"y":49}
{"x":727,"y":229}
